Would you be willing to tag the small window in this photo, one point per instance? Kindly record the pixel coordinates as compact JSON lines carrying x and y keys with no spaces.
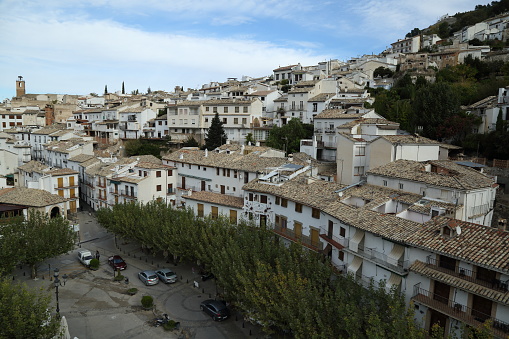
{"x":342,"y":232}
{"x":315,"y":213}
{"x":158,"y":174}
{"x":159,"y":188}
{"x":284,"y":202}
{"x":250,"y":196}
{"x":278,"y":201}
{"x":263,"y":199}
{"x":298,"y":207}
{"x":400,"y":186}
{"x":341,"y":255}
{"x":385,"y":182}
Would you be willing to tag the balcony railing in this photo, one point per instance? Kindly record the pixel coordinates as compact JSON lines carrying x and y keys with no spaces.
{"x":458,"y":311}
{"x":128,"y":194}
{"x":381,"y":258}
{"x":329,"y":237}
{"x":467,"y":275}
{"x":303,"y":239}
{"x":61,"y":187}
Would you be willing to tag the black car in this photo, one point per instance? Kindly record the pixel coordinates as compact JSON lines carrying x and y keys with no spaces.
{"x":216,"y":309}
{"x":206,"y":276}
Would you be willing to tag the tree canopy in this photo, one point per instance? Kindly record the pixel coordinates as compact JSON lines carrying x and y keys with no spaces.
{"x":216,"y":135}
{"x":287,"y":137}
{"x":35,"y":239}
{"x":25,"y":313}
{"x":281,"y":287}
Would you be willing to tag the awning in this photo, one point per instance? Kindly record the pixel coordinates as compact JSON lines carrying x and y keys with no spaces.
{"x":194,"y":177}
{"x":394,"y":281}
{"x":354,"y":242}
{"x":355,"y":265}
{"x":396,"y":253}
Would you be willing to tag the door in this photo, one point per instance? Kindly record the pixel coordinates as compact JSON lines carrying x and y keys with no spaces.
{"x":233,"y":216}
{"x":437,"y":318}
{"x":297,"y":228}
{"x":72,"y":205}
{"x":314,"y":237}
{"x":60,"y":182}
{"x":71,"y":181}
{"x":184,"y":182}
{"x":481,"y":308}
{"x":331,"y":229}
{"x":223,"y":189}
{"x":203,"y":185}
{"x":442,"y":292}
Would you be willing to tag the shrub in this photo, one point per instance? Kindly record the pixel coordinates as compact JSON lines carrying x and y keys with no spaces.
{"x":94,"y":264}
{"x":170,"y":325}
{"x":132,"y":291}
{"x":147,"y":301}
{"x":119,"y":277}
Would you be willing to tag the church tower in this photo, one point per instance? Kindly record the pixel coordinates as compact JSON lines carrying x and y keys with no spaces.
{"x":20,"y":87}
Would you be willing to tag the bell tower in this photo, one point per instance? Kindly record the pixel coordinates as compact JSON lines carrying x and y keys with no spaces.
{"x":20,"y":87}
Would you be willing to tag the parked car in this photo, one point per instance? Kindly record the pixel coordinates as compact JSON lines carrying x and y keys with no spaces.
{"x":148,"y":277}
{"x":206,"y":276}
{"x":85,"y":256}
{"x":216,"y":309}
{"x":117,"y":262}
{"x":166,"y":275}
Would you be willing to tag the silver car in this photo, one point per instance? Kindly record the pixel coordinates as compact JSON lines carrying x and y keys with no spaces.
{"x":148,"y":277}
{"x":166,"y":275}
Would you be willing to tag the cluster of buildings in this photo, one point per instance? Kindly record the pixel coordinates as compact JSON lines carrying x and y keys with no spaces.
{"x":382,"y":204}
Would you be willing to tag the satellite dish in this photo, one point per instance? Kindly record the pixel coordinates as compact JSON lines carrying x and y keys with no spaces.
{"x":458,"y":230}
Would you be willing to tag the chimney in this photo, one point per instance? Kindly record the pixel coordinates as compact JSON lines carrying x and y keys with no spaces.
{"x":206,"y":153}
{"x":181,"y":156}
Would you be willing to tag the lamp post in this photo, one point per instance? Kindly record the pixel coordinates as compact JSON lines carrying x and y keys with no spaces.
{"x":57,"y":283}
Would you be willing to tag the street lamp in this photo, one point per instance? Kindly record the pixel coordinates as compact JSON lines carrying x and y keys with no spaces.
{"x":58,"y":283}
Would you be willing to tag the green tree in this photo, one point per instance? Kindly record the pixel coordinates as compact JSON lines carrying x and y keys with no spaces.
{"x":25,"y":313}
{"x":142,"y":147}
{"x":288,"y":136}
{"x":444,"y":31}
{"x":250,"y":139}
{"x":190,"y":142}
{"x":432,"y":105}
{"x":383,"y":72}
{"x":216,"y":135}
{"x":38,"y":238}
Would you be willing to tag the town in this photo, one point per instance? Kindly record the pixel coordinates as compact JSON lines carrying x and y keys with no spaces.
{"x":381,"y":204}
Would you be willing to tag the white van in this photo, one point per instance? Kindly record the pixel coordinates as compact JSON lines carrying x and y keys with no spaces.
{"x":85,"y":256}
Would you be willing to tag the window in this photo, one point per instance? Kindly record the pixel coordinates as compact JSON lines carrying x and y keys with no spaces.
{"x":315,"y":213}
{"x":207,"y":109}
{"x":385,"y":182}
{"x":214,"y":109}
{"x":342,"y":232}
{"x":159,"y":188}
{"x":250,"y":196}
{"x":225,"y":109}
{"x":263,"y":199}
{"x":225,"y":121}
{"x":215,"y":212}
{"x":244,"y":121}
{"x":298,"y":207}
{"x":244,"y":109}
{"x":170,"y":173}
{"x":358,"y":170}
{"x":237,"y":109}
{"x":284,"y":202}
{"x":200,"y":210}
{"x":400,"y":186}
{"x":217,"y":170}
{"x":235,"y":120}
{"x":278,"y":201}
{"x":360,"y":150}
{"x":158,"y":174}
{"x":297,"y":229}
{"x":341,"y":255}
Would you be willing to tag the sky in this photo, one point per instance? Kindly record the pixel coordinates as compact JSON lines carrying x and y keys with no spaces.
{"x":79,"y":47}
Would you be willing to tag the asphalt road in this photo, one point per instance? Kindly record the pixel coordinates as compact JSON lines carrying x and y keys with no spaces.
{"x":97,"y":307}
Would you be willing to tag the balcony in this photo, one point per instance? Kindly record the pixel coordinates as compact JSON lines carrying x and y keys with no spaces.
{"x":382,"y":259}
{"x":459,"y":312}
{"x":301,"y":239}
{"x":101,"y":184}
{"x":337,"y":242}
{"x":103,"y":198}
{"x":467,"y":275}
{"x":61,"y":187}
{"x":114,"y":191}
{"x":128,"y":194}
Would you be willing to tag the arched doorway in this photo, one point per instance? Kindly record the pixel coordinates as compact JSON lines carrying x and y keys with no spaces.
{"x":55,"y":212}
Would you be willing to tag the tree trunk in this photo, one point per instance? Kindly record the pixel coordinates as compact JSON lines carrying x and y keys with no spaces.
{"x":33,"y":273}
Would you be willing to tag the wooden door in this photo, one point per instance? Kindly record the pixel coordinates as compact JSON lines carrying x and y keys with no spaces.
{"x":442,"y":292}
{"x":71,"y":181}
{"x":481,"y":308}
{"x":314,"y":237}
{"x":203,"y":185}
{"x":223,"y":189}
{"x":184,"y":182}
{"x":60,"y":182}
{"x":297,"y":228}
{"x":233,"y":216}
{"x":331,"y":229}
{"x":437,"y":318}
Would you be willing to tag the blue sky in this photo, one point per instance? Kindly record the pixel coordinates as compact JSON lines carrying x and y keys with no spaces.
{"x":78,"y":47}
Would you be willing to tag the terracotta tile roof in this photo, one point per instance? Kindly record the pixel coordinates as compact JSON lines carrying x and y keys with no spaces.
{"x":336,"y":113}
{"x":284,"y":68}
{"x":34,"y":166}
{"x":252,"y":162}
{"x":29,"y":197}
{"x":216,"y":198}
{"x":448,"y":174}
{"x":49,"y":129}
{"x":62,"y":171}
{"x":408,"y":139}
{"x":482,"y":245}
{"x":81,"y":158}
{"x":321,"y":97}
{"x":371,"y":121}
{"x":151,"y":165}
{"x":488,"y":102}
{"x":489,"y":293}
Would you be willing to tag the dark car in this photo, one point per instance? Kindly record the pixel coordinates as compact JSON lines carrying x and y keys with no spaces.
{"x":216,"y":309}
{"x":117,"y":262}
{"x":206,"y":276}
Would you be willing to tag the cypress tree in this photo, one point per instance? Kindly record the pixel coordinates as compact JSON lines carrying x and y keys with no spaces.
{"x":215,"y":135}
{"x":123,"y":88}
{"x":105,"y":89}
